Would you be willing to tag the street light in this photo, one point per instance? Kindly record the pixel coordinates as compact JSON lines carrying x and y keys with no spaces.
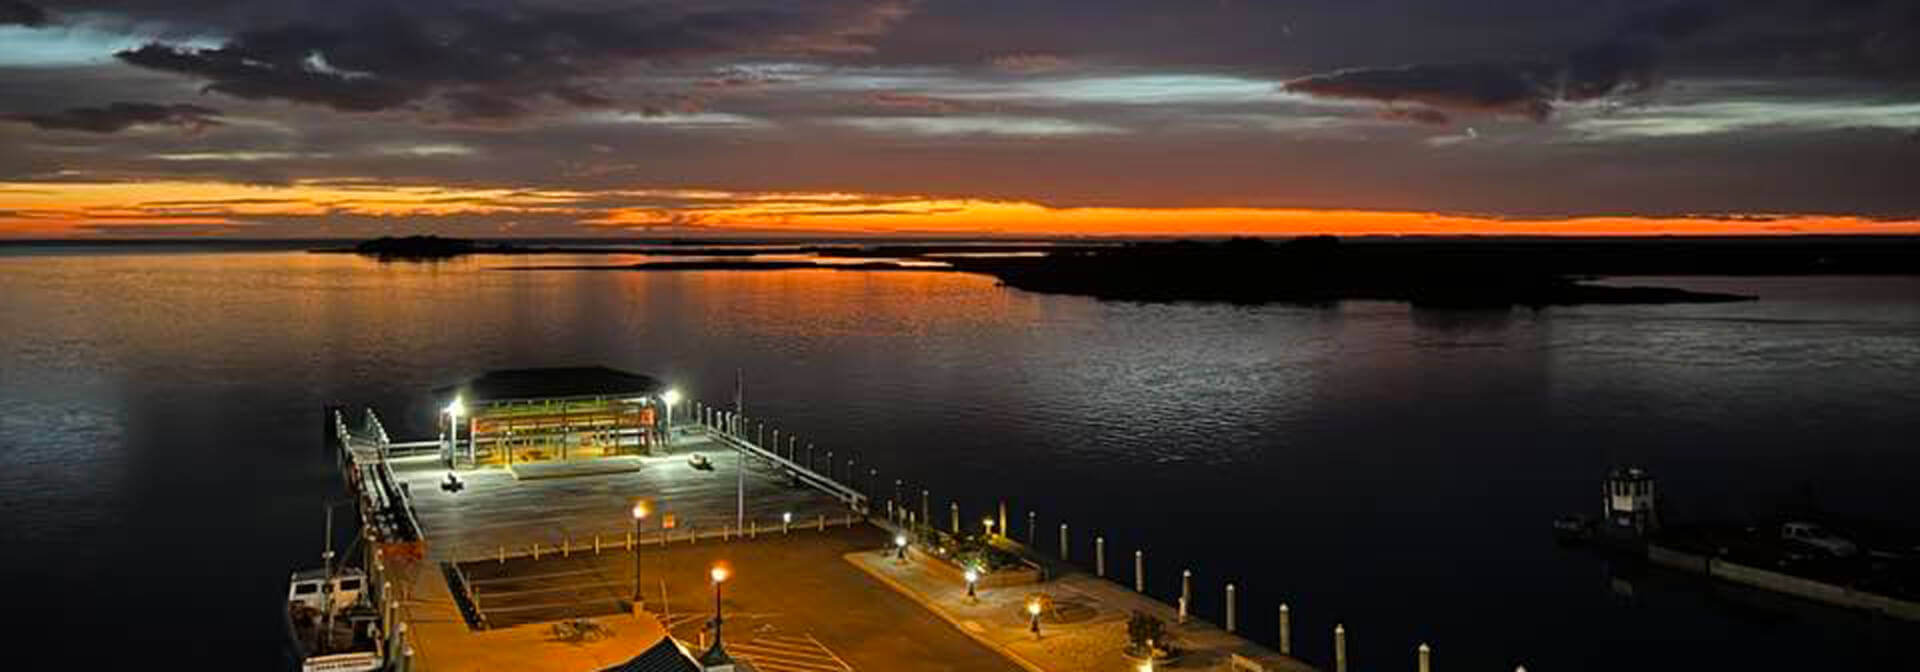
{"x":717,"y":655}
{"x":454,"y":410}
{"x":900,"y":547}
{"x":719,"y":575}
{"x":639,"y":514}
{"x":973,"y":577}
{"x":988,"y":522}
{"x":667,"y":400}
{"x":1033,"y":615}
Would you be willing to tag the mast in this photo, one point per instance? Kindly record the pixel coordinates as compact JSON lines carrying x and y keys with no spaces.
{"x":740,"y":474}
{"x":326,"y":587}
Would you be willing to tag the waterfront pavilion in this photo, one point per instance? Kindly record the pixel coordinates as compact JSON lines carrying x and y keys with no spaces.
{"x":521,"y":416}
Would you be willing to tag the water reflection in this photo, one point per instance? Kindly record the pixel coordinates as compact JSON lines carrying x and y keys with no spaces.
{"x":1385,"y":467}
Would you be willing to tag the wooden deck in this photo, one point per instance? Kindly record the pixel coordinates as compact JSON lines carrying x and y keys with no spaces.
{"x":498,"y":513}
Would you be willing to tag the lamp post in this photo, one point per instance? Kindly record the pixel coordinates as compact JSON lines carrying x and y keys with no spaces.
{"x":973,"y":577}
{"x":639,"y":514}
{"x":718,"y":654}
{"x":455,"y":409}
{"x":667,"y":400}
{"x":988,"y":523}
{"x":1033,"y":616}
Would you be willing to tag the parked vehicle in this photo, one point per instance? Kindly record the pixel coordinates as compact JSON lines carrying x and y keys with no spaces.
{"x":1818,"y":537}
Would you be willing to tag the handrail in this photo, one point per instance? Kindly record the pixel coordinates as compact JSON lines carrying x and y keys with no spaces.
{"x":846,"y":494}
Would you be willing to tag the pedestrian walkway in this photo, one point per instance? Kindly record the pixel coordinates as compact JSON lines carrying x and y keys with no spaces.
{"x":1085,"y":630}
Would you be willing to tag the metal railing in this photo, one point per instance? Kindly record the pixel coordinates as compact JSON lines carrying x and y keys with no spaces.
{"x":847,"y":495}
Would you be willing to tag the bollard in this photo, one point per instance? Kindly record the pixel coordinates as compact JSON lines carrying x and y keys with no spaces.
{"x":753,"y":529}
{"x":503,"y":555}
{"x":821,"y":524}
{"x":1426,"y":658}
{"x":1339,"y":648}
{"x":786,"y":522}
{"x":1286,"y":630}
{"x":536,"y":552}
{"x":566,"y":547}
{"x":407,"y":650}
{"x":953,"y":513}
{"x":629,"y":541}
{"x":596,"y":544}
{"x":1186,"y":592}
{"x":1139,"y":572}
{"x":1063,"y":541}
{"x":846,"y":519}
{"x":1230,"y":613}
{"x":1100,"y":557}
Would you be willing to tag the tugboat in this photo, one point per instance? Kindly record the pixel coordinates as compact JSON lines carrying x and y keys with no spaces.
{"x":333,"y":625}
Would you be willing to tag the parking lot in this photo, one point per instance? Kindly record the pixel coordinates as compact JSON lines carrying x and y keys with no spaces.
{"x":791,"y":603}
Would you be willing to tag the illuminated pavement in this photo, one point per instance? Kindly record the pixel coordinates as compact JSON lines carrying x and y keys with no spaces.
{"x":1083,"y":631}
{"x":792,"y":604}
{"x":496,"y":512}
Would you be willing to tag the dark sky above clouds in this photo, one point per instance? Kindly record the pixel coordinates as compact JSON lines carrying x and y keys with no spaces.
{"x":284,"y":117}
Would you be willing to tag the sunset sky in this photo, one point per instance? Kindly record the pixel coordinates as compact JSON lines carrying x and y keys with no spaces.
{"x":297,"y":118}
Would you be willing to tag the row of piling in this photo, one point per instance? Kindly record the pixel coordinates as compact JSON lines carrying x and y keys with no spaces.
{"x":899,"y":514}
{"x":737,"y":425}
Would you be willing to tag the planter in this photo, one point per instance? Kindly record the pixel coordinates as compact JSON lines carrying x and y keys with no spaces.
{"x":1002,"y":578}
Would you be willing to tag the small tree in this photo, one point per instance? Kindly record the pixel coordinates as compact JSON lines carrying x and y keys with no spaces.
{"x":1146,"y":635}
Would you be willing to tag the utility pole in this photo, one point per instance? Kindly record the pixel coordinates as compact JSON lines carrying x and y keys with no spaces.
{"x":740,"y":482}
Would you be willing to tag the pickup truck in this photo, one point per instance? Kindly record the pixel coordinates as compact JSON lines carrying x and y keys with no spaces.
{"x":1815,"y":536}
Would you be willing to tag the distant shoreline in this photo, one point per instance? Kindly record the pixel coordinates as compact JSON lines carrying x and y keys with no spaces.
{"x":1451,"y":272}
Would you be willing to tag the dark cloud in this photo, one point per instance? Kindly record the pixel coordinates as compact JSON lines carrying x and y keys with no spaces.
{"x":18,"y":13}
{"x":1513,"y":89}
{"x":1874,"y":37}
{"x":118,"y":117}
{"x":499,"y":64}
{"x":1418,"y":115}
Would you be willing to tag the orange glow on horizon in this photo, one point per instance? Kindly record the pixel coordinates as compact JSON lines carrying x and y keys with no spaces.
{"x":102,"y":209}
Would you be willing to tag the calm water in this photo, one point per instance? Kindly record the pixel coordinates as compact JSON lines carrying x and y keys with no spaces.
{"x":1394,"y":470}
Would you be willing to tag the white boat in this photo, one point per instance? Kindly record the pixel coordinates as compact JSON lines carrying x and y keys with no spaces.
{"x":333,"y":624}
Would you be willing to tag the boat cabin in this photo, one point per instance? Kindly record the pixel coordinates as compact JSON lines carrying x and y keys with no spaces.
{"x":312,"y":589}
{"x":1630,"y":505}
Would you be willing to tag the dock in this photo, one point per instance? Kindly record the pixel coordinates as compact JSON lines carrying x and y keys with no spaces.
{"x":532,"y":566}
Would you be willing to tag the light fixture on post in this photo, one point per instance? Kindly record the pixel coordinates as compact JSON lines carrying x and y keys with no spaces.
{"x":1033,"y":615}
{"x":640,"y":511}
{"x":455,"y":409}
{"x":668,"y":399}
{"x":717,"y":655}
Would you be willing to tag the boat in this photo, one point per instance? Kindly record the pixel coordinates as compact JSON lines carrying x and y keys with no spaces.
{"x":331,"y":619}
{"x":1572,"y":529}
